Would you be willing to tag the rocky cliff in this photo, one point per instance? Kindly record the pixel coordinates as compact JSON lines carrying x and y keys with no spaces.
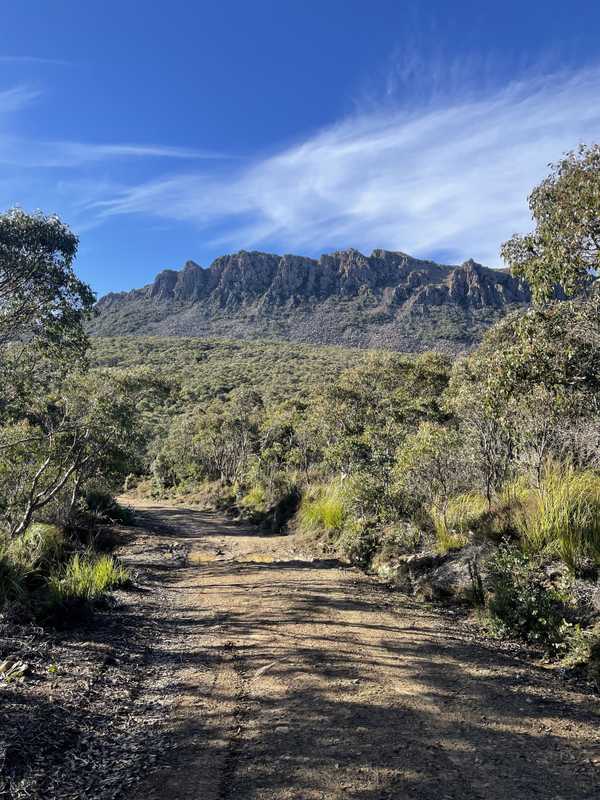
{"x":386,"y":299}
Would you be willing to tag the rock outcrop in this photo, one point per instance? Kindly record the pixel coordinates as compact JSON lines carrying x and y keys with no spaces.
{"x":385,"y":299}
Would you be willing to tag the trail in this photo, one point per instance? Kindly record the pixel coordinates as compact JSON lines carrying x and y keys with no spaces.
{"x":293,"y":678}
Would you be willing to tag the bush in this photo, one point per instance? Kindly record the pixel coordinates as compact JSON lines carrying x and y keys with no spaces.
{"x":13,"y":589}
{"x":401,"y":538}
{"x":524,"y":604}
{"x":453,"y":524}
{"x":255,"y":500}
{"x":85,"y":579}
{"x":562,"y":517}
{"x":103,"y":505}
{"x":358,"y":542}
{"x":39,"y":548}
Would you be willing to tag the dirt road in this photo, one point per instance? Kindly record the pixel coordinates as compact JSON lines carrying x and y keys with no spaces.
{"x":281,"y":677}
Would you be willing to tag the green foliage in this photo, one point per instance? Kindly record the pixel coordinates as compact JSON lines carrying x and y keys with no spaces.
{"x":565,"y":244}
{"x":561,"y":517}
{"x":86,"y":579}
{"x":358,"y":542}
{"x":202,"y":370}
{"x":41,"y":299}
{"x":82,"y":429}
{"x":13,"y":575}
{"x":323,"y":509}
{"x":524,"y":604}
{"x":432,"y":464}
{"x":458,"y":518}
{"x":255,"y":499}
{"x":102,"y":504}
{"x":39,"y":549}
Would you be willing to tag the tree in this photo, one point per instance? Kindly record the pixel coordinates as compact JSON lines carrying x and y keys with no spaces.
{"x":41,"y":298}
{"x":564,"y":248}
{"x":367,"y":410}
{"x":433,"y":464}
{"x":84,"y":430}
{"x":523,"y":395}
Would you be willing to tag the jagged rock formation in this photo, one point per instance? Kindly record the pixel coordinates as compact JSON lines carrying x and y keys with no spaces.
{"x":387,"y":299}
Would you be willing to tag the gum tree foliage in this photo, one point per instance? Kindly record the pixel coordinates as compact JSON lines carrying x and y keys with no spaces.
{"x":433,"y":464}
{"x":60,"y":426}
{"x":216,"y":442}
{"x":83,"y":430}
{"x":564,"y":247}
{"x":41,"y":298}
{"x":531,"y":389}
{"x":368,"y":410}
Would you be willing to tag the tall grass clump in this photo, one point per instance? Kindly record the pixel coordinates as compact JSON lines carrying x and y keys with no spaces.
{"x":323,"y":509}
{"x":12,"y":579}
{"x":39,"y":548}
{"x":453,"y":523}
{"x":86,"y":578}
{"x":562,"y":517}
{"x":26,"y":561}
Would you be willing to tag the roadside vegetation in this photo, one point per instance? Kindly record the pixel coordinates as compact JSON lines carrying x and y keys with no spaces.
{"x":68,"y":435}
{"x":487,"y":467}
{"x":475,"y":480}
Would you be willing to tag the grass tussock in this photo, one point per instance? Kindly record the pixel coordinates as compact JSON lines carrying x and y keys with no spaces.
{"x":561,"y":518}
{"x":454,"y":523}
{"x":255,"y":500}
{"x":39,"y":548}
{"x":86,"y":578}
{"x":323,"y":509}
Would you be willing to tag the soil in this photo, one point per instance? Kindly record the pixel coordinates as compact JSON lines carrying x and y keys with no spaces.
{"x":294,"y":677}
{"x":247,"y":668}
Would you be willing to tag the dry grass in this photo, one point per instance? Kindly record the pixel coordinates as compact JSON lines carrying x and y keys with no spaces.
{"x":455,"y":522}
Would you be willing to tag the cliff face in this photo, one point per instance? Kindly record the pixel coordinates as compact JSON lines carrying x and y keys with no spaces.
{"x":260,"y":294}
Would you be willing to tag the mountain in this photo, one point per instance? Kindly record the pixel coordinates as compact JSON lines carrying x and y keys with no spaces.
{"x":387,"y":299}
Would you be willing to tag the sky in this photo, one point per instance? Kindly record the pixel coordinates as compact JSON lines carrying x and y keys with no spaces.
{"x":168,"y":131}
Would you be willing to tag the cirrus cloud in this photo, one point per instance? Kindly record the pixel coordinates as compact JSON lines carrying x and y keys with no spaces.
{"x":450,"y":178}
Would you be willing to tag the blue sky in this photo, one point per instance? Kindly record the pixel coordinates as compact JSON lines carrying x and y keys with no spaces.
{"x":172,"y":130}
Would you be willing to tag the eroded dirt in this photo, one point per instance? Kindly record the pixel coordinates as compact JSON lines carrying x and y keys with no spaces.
{"x":277,"y":676}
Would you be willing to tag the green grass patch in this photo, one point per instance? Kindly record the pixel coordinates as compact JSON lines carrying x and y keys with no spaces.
{"x":561,"y":518}
{"x":454,"y":523}
{"x":86,"y":578}
{"x":323,"y":509}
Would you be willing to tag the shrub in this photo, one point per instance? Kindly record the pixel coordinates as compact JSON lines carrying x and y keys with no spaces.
{"x":39,"y":548}
{"x":562,"y":517}
{"x":12,"y":580}
{"x":460,"y":516}
{"x":401,"y":538}
{"x":102,"y":504}
{"x":358,"y":542}
{"x":322,"y":509}
{"x":255,"y":500}
{"x":85,"y":579}
{"x":524,"y":604}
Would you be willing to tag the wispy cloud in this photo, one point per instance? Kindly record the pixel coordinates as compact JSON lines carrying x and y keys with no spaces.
{"x":16,"y":98}
{"x":19,"y":152}
{"x":451,"y":176}
{"x":32,"y":60}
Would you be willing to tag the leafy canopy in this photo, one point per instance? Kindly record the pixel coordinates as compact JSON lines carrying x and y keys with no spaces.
{"x":41,"y":298}
{"x":564,"y":248}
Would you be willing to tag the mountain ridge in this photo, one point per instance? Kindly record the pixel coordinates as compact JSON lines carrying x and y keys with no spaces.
{"x":387,"y":299}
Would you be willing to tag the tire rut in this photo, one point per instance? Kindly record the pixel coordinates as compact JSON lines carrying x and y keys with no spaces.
{"x":297,"y":680}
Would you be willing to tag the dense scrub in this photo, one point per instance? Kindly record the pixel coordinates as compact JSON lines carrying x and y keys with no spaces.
{"x":413,"y":454}
{"x":495,"y":454}
{"x":68,"y":435}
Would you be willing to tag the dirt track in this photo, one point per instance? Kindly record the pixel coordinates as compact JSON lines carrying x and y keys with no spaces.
{"x":281,"y":677}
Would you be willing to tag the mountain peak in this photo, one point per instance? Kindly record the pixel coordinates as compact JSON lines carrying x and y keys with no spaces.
{"x":344,"y":297}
